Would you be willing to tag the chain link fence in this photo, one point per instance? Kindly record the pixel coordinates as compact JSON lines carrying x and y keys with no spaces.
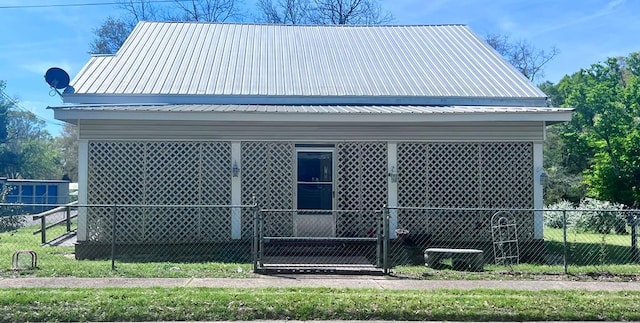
{"x":190,"y":240}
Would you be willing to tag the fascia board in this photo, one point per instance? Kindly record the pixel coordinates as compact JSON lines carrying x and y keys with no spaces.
{"x":70,"y":114}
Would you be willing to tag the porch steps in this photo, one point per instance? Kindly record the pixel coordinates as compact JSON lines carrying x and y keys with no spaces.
{"x":342,"y":265}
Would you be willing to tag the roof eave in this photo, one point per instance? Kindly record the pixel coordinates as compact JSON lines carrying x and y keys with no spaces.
{"x":71,"y":115}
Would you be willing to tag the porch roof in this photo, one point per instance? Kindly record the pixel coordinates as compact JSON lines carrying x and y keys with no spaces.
{"x":318,"y":113}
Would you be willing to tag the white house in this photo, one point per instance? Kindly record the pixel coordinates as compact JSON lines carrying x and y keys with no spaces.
{"x":305,"y":117}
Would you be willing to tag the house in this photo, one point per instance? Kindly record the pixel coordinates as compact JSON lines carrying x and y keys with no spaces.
{"x":305,"y":117}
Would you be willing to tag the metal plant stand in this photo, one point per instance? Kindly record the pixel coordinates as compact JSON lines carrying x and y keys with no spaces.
{"x":504,"y":232}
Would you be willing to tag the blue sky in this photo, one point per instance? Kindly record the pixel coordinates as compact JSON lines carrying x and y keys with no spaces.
{"x":585,"y":32}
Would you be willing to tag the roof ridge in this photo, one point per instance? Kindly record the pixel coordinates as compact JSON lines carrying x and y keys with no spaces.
{"x":240,"y":23}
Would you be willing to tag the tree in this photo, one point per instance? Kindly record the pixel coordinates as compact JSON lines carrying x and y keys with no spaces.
{"x":139,"y":10}
{"x":28,"y":150}
{"x":292,"y":12}
{"x":350,"y":12}
{"x":110,"y":36}
{"x":602,"y":141}
{"x":67,"y":145}
{"x":113,"y":32}
{"x":526,"y":58}
{"x":323,"y":12}
{"x":205,"y":10}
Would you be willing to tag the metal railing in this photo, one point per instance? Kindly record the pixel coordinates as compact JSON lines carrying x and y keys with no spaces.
{"x":66,"y":209}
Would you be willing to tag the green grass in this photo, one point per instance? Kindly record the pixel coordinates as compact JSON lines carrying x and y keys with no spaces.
{"x":590,"y":257}
{"x":60,"y":261}
{"x":194,"y":304}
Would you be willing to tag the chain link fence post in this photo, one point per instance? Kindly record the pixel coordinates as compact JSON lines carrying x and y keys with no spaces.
{"x":256,"y":235}
{"x":385,"y":241}
{"x":564,"y":242}
{"x":379,"y":253}
{"x":633,"y":222}
{"x":113,"y":238}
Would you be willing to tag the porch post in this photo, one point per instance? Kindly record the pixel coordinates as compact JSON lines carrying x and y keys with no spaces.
{"x":236,"y":190}
{"x":83,"y":176}
{"x":392,"y":187}
{"x":538,"y":201}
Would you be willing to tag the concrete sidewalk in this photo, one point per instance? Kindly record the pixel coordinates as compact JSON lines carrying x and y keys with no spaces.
{"x":330,"y":281}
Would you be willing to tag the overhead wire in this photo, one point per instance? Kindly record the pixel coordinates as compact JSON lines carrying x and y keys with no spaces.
{"x":86,"y":4}
{"x":15,"y":103}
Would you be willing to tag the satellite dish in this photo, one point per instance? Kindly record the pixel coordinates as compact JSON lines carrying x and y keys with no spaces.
{"x":57,"y":78}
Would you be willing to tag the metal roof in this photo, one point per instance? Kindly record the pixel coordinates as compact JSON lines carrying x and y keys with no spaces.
{"x":221,"y":59}
{"x":310,"y":113}
{"x":313,"y":109}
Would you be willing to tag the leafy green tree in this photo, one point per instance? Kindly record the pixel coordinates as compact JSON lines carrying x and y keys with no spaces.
{"x":28,"y":150}
{"x":602,"y":141}
{"x":67,"y":145}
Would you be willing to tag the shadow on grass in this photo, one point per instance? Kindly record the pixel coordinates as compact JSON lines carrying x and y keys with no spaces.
{"x":588,"y":254}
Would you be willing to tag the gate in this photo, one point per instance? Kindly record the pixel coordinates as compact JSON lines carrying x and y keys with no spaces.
{"x":321,"y":241}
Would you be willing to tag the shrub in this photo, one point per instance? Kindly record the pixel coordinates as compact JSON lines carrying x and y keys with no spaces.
{"x":590,"y":215}
{"x":600,"y":217}
{"x":553,"y":217}
{"x":10,"y":215}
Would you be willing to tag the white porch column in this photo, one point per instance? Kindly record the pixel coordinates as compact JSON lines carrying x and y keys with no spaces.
{"x":83,"y":176}
{"x":538,"y":200}
{"x":392,"y":186}
{"x":236,"y":190}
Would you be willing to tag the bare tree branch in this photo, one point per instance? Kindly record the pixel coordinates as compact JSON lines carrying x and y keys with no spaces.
{"x":293,"y":12}
{"x":139,"y":10}
{"x":324,"y":12}
{"x":206,"y":10}
{"x":527,"y":59}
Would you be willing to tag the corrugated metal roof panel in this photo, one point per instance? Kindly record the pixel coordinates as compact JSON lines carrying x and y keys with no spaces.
{"x":314,"y":109}
{"x":170,"y":58}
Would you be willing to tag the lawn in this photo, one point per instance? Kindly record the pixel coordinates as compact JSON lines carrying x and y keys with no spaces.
{"x":195,"y":304}
{"x":60,"y":261}
{"x":591,"y":256}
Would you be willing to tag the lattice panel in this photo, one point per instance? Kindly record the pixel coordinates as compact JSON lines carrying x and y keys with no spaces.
{"x":454,"y":178}
{"x":361,"y":185}
{"x":160,"y":173}
{"x":509,"y":184}
{"x":267,"y":172}
{"x":412,"y":186}
{"x":113,"y":177}
{"x":462,"y":175}
{"x":215,"y":223}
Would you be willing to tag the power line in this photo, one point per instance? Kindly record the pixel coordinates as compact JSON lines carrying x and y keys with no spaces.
{"x":60,"y":5}
{"x":17,"y":104}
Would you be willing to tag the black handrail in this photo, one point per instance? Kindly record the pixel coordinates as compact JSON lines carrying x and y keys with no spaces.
{"x":43,"y":220}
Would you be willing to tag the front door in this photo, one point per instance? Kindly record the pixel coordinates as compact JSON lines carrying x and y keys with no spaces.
{"x":314,"y":191}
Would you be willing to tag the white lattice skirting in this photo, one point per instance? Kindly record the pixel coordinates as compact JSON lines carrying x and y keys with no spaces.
{"x":442,"y":175}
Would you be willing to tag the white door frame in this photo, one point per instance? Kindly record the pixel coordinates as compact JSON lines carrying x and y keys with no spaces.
{"x":299,"y":218}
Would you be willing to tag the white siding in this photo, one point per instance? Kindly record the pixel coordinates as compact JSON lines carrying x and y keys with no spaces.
{"x":310,"y":131}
